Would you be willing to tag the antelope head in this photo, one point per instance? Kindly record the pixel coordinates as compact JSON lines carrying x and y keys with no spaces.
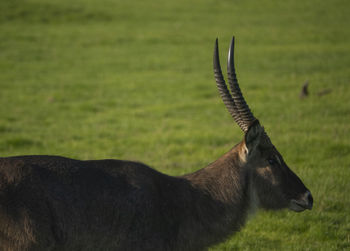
{"x":274,"y":185}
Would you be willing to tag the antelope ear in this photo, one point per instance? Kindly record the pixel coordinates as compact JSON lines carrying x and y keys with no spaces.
{"x":253,"y":136}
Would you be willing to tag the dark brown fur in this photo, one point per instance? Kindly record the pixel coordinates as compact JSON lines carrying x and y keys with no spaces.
{"x":55,"y":203}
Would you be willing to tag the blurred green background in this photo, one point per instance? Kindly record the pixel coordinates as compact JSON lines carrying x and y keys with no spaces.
{"x":133,"y":80}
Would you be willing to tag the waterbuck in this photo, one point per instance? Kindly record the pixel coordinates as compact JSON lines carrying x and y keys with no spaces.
{"x":57,"y":203}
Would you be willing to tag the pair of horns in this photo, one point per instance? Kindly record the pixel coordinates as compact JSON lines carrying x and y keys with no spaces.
{"x":234,"y":101}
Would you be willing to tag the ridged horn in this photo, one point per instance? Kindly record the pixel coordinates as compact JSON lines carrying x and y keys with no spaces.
{"x":224,"y":92}
{"x":246,"y":115}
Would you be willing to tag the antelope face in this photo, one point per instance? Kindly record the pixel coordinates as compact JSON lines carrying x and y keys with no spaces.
{"x":275,"y":185}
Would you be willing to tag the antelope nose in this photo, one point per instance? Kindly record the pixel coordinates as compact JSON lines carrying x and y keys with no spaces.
{"x":310,"y":200}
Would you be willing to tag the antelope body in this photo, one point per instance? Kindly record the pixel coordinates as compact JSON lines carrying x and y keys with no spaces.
{"x":56,"y":203}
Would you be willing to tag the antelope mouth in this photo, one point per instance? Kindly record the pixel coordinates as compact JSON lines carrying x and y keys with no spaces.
{"x":297,"y":206}
{"x":302,"y":204}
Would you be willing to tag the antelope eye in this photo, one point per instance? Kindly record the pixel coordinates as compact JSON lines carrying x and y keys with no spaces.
{"x":271,"y":161}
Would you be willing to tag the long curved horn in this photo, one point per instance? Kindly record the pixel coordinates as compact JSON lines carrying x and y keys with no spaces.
{"x":224,"y":92}
{"x":246,"y":115}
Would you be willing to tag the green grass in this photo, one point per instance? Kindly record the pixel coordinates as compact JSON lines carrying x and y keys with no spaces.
{"x":133,"y":80}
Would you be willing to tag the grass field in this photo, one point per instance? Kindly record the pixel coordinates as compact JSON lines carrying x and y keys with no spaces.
{"x":133,"y":80}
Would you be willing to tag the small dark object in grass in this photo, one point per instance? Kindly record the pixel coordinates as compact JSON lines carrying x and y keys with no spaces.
{"x":304,"y":90}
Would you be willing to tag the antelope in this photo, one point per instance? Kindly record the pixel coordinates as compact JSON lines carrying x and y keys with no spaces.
{"x":57,"y":203}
